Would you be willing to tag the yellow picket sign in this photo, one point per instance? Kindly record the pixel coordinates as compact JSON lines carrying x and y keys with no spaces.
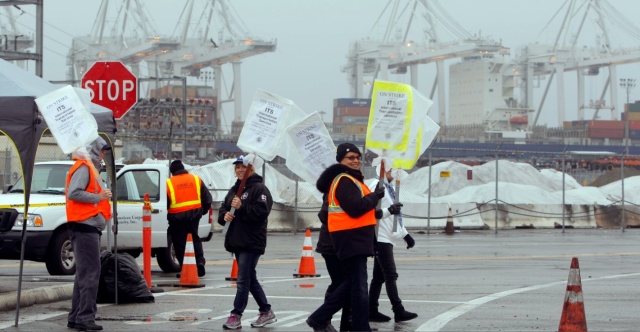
{"x":389,"y":127}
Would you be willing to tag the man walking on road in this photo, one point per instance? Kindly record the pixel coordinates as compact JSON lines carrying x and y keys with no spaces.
{"x":188,"y":200}
{"x":88,"y":209}
{"x":384,"y":266}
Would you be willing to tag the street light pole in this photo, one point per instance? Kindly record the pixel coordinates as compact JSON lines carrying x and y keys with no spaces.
{"x":627,"y":84}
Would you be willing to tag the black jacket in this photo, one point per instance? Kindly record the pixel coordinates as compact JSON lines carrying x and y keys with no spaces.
{"x":352,"y":242}
{"x":248,"y":230}
{"x":195,"y":214}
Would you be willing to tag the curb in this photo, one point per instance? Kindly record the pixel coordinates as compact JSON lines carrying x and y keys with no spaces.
{"x":36,"y":296}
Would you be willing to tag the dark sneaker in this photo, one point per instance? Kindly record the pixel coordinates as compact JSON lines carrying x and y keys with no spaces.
{"x":377,"y":316}
{"x":201,"y":271}
{"x":264,"y":319}
{"x":233,"y":323}
{"x":404,"y":316}
{"x":71,"y":325}
{"x":88,"y":327}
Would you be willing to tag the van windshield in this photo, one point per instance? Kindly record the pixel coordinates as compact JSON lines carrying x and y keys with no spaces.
{"x":47,"y":179}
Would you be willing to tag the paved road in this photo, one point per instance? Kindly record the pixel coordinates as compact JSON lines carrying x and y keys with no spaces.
{"x":474,"y":280}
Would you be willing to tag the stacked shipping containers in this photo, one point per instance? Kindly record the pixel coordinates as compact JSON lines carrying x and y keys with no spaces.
{"x":632,"y":112}
{"x":351,"y":115}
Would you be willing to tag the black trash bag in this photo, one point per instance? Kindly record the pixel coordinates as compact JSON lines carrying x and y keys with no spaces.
{"x":132,"y":288}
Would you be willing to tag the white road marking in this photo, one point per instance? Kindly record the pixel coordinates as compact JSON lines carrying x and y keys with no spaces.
{"x":438,"y":322}
{"x":31,"y":318}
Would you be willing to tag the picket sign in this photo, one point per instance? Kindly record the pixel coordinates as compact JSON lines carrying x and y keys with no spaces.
{"x":263,"y":129}
{"x":399,"y":130}
{"x":68,"y":118}
{"x":309,"y":148}
{"x":265,"y":124}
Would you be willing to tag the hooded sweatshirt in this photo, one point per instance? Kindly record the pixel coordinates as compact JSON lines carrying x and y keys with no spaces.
{"x":78,"y":184}
{"x":352,"y":242}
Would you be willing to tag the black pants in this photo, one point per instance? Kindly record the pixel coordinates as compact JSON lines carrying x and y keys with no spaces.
{"x":384,"y":271}
{"x":337,"y":274}
{"x":354,"y":287}
{"x":178,"y":231}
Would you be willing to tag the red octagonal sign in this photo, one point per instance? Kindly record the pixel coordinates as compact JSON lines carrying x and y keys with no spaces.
{"x":112,"y":85}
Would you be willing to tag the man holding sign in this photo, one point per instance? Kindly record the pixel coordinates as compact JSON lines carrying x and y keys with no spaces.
{"x":351,"y":223}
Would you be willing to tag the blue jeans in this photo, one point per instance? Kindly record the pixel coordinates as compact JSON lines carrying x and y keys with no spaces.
{"x":248,"y":283}
{"x":355,"y":288}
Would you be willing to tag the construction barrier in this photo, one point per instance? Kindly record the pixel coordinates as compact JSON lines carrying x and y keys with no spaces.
{"x":307,"y":262}
{"x":146,"y":239}
{"x":234,"y":271}
{"x":189,"y":274}
{"x":448,"y":229}
{"x":573,"y":317}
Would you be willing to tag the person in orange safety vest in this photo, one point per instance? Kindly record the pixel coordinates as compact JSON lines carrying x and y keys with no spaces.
{"x":88,"y":210}
{"x":188,"y":199}
{"x":351,"y":220}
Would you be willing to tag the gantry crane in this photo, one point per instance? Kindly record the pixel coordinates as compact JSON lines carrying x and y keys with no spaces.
{"x":132,"y":39}
{"x":396,"y":53}
{"x":565,"y":55}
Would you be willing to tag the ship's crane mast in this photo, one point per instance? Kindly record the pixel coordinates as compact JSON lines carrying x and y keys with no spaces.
{"x":565,"y":55}
{"x":374,"y":58}
{"x":191,"y":47}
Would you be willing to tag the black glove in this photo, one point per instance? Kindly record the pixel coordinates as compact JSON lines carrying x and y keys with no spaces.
{"x":410,"y":241}
{"x":378,"y":214}
{"x":395,"y":208}
{"x":379,"y":191}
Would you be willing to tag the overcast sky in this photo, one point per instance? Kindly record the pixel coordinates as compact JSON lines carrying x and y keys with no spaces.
{"x":313,"y":38}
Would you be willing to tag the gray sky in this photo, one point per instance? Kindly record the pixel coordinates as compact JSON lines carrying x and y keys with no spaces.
{"x":313,"y":39}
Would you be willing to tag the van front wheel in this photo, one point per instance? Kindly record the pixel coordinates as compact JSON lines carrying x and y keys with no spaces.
{"x":167,"y":259}
{"x":60,"y":258}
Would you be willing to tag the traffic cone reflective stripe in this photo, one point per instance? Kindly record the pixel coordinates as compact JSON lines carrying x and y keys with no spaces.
{"x":307,"y":262}
{"x":234,"y":271}
{"x":189,"y":274}
{"x":448,"y":229}
{"x":573,"y":317}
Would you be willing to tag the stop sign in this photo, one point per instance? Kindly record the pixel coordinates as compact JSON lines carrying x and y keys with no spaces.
{"x":112,"y":85}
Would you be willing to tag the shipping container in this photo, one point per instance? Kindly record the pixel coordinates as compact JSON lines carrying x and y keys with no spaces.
{"x":634,"y":125}
{"x":635,"y":107}
{"x":351,"y":111}
{"x":634,"y":134}
{"x":352,"y":102}
{"x":633,"y":116}
{"x":352,"y":120}
{"x":606,"y":133}
{"x":579,"y":123}
{"x":567,"y":124}
{"x":603,"y":124}
{"x":354,"y":129}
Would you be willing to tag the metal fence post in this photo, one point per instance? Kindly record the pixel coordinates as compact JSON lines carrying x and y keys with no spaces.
{"x":623,"y":222}
{"x":496,"y":205}
{"x":295,"y":210}
{"x":429,"y":198}
{"x":564,"y":171}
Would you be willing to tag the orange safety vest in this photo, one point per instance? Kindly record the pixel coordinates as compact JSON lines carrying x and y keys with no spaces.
{"x":182,"y":196}
{"x":80,"y":211}
{"x":340,"y":220}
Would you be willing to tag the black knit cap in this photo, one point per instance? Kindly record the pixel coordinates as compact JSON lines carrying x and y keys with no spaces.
{"x":175,"y":166}
{"x":344,"y":148}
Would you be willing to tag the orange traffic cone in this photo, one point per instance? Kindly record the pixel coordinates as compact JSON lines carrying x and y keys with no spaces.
{"x":307,"y":263}
{"x":573,"y":318}
{"x":448,"y":229}
{"x":234,"y":271}
{"x":189,"y":274}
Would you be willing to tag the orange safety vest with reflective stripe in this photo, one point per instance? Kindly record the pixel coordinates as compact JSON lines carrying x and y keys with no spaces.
{"x":340,"y":220}
{"x":184,"y":192}
{"x":80,"y":211}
